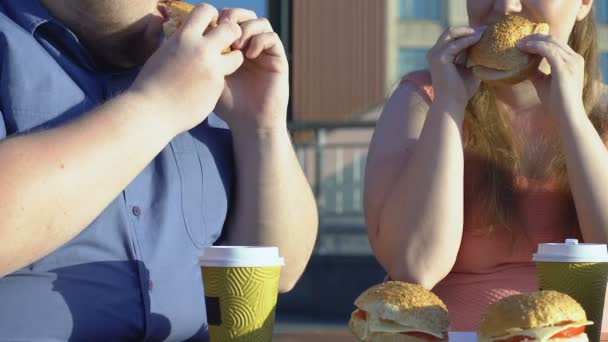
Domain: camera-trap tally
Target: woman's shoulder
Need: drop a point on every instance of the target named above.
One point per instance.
(422, 80)
(418, 76)
(411, 97)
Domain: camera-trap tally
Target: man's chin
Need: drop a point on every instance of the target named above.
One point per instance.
(129, 50)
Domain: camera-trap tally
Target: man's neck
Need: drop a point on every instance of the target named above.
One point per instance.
(110, 49)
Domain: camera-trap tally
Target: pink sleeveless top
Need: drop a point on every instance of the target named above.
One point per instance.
(490, 266)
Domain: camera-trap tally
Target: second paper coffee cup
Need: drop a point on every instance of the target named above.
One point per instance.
(579, 270)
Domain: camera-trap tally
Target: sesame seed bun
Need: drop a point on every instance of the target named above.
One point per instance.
(495, 59)
(528, 311)
(402, 305)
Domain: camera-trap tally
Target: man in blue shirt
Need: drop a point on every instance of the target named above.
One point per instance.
(114, 177)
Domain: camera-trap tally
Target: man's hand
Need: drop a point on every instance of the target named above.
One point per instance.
(256, 95)
(183, 80)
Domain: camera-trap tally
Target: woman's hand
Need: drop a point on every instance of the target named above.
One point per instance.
(561, 91)
(453, 83)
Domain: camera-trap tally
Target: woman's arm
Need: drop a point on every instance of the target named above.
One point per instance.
(414, 188)
(587, 164)
(586, 153)
(414, 179)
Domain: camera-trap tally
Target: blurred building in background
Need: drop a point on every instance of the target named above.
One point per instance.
(348, 54)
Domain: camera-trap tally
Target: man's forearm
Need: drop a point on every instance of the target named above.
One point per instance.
(56, 182)
(274, 204)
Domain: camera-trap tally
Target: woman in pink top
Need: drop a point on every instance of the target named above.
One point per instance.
(464, 180)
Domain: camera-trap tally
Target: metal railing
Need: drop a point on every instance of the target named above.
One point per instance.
(333, 156)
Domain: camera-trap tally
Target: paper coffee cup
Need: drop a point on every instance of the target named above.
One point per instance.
(241, 288)
(579, 270)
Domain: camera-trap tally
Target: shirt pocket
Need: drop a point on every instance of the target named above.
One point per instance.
(203, 195)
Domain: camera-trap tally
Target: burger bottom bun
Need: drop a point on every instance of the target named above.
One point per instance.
(509, 77)
(358, 327)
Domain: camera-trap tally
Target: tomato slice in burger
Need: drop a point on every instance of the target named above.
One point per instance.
(422, 335)
(570, 332)
(360, 314)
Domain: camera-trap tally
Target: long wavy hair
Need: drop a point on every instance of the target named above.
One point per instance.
(490, 139)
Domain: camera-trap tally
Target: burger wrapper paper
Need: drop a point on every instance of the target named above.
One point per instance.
(241, 302)
(585, 282)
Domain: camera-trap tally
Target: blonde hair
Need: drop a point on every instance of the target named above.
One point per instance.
(491, 142)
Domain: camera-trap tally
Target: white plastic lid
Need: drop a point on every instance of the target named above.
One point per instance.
(241, 256)
(571, 251)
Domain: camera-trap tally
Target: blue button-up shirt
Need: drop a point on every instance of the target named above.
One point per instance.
(132, 274)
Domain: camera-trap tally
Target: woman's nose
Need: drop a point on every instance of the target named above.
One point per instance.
(505, 7)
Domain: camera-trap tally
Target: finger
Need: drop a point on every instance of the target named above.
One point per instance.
(237, 15)
(546, 38)
(232, 61)
(200, 18)
(455, 33)
(457, 46)
(567, 50)
(554, 54)
(268, 43)
(224, 34)
(252, 28)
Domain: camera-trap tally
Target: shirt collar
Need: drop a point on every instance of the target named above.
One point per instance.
(29, 14)
(32, 15)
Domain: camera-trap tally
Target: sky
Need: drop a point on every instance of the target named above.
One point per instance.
(259, 6)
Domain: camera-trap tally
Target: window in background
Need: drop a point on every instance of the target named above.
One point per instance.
(417, 9)
(411, 59)
(601, 7)
(604, 61)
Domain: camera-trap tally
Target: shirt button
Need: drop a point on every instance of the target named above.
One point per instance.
(136, 211)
